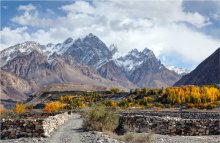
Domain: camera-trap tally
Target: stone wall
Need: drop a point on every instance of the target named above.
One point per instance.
(172, 123)
(24, 127)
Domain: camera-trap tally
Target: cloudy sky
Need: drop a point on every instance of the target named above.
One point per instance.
(181, 33)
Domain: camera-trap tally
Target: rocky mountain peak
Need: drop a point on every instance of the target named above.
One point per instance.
(21, 48)
(135, 58)
(91, 35)
(134, 52)
(50, 45)
(89, 50)
(68, 40)
(148, 52)
(113, 48)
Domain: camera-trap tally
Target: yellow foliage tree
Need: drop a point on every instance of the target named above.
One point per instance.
(20, 108)
(66, 98)
(54, 106)
(191, 94)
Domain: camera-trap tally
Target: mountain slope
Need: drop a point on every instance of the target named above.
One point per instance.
(206, 73)
(115, 73)
(14, 87)
(43, 70)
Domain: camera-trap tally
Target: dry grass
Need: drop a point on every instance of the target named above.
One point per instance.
(99, 118)
(132, 137)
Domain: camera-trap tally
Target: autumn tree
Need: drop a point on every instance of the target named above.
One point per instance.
(54, 106)
(20, 108)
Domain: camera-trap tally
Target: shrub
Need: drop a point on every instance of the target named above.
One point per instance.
(110, 103)
(74, 103)
(149, 99)
(67, 98)
(159, 105)
(149, 105)
(54, 106)
(132, 137)
(143, 102)
(211, 106)
(168, 105)
(20, 108)
(190, 105)
(2, 109)
(137, 91)
(98, 118)
(115, 90)
(124, 103)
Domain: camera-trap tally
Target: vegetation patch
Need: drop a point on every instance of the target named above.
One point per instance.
(99, 118)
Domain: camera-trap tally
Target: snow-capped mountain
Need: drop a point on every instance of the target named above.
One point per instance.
(143, 69)
(29, 46)
(136, 68)
(134, 59)
(89, 50)
(22, 48)
(180, 71)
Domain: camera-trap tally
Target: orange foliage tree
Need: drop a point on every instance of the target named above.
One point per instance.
(2, 109)
(20, 108)
(54, 106)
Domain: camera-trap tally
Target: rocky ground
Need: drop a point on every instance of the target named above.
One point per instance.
(71, 132)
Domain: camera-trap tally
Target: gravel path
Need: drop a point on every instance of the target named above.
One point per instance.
(71, 132)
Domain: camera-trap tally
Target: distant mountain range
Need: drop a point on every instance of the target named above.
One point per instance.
(83, 61)
(206, 73)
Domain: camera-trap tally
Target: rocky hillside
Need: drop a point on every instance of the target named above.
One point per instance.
(206, 73)
(14, 87)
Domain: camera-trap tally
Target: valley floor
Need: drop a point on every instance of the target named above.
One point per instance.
(71, 132)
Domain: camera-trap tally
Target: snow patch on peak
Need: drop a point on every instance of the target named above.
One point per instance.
(179, 71)
(134, 59)
(24, 48)
(59, 48)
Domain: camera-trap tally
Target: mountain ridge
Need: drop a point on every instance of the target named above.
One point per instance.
(85, 60)
(206, 73)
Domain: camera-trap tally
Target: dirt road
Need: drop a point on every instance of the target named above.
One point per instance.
(70, 132)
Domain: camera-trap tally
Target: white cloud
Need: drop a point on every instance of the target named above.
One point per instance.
(28, 7)
(131, 24)
(79, 7)
(10, 36)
